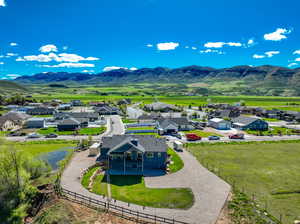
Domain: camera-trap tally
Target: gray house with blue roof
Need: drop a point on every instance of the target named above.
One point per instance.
(134, 154)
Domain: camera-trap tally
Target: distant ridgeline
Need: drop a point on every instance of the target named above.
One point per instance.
(272, 80)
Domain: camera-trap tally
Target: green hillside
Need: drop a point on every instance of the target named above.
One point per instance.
(8, 87)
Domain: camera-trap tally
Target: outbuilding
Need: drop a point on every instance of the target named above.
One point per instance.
(219, 123)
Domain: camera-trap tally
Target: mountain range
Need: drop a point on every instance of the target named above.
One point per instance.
(267, 76)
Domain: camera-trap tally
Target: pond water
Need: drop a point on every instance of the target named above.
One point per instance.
(53, 158)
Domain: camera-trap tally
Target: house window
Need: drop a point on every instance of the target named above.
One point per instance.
(159, 154)
(150, 155)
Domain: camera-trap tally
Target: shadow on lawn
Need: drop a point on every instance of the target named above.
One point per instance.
(123, 180)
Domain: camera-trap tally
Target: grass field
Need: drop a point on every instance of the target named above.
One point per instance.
(177, 161)
(129, 121)
(262, 169)
(132, 189)
(203, 134)
(273, 131)
(82, 131)
(140, 128)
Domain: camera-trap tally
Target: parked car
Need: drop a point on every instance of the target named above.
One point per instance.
(15, 134)
(178, 146)
(177, 135)
(236, 136)
(34, 135)
(51, 135)
(213, 137)
(192, 137)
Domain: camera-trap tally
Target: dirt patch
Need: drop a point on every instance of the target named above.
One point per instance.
(61, 211)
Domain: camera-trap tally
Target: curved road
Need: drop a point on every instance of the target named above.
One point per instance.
(210, 191)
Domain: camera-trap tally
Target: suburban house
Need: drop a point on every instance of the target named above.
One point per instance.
(133, 154)
(41, 111)
(124, 102)
(12, 121)
(68, 124)
(228, 113)
(106, 110)
(173, 125)
(219, 123)
(90, 116)
(35, 122)
(250, 123)
(76, 103)
(159, 106)
(149, 118)
(65, 106)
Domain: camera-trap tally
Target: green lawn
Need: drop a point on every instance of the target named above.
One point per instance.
(132, 189)
(270, 119)
(86, 177)
(100, 185)
(273, 131)
(140, 128)
(128, 121)
(147, 133)
(260, 168)
(82, 131)
(203, 134)
(177, 161)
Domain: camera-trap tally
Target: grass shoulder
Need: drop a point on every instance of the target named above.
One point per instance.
(176, 162)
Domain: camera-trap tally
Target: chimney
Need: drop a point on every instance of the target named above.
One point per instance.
(135, 142)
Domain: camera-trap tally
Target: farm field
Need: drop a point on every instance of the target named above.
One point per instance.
(269, 171)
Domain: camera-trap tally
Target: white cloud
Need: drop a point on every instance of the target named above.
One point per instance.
(297, 59)
(111, 68)
(211, 51)
(2, 3)
(149, 45)
(296, 52)
(65, 48)
(63, 57)
(194, 48)
(1, 63)
(187, 47)
(13, 44)
(167, 46)
(88, 71)
(278, 35)
(271, 53)
(292, 64)
(221, 44)
(48, 48)
(70, 65)
(250, 42)
(11, 55)
(257, 56)
(13, 76)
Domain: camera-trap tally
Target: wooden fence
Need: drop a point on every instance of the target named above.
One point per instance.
(136, 216)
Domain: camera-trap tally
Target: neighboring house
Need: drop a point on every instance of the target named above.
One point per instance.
(12, 121)
(173, 125)
(41, 111)
(219, 123)
(227, 113)
(250, 123)
(90, 116)
(271, 114)
(64, 107)
(133, 154)
(149, 118)
(159, 106)
(69, 124)
(106, 110)
(124, 101)
(35, 122)
(76, 103)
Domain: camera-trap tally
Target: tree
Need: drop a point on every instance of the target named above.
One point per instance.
(17, 169)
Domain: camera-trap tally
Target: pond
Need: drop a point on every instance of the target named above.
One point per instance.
(53, 158)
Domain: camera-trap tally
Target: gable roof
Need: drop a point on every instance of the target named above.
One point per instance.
(83, 115)
(13, 116)
(69, 121)
(176, 120)
(147, 143)
(245, 120)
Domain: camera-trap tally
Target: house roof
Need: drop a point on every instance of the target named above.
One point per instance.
(13, 116)
(217, 120)
(151, 116)
(83, 115)
(146, 143)
(42, 109)
(159, 106)
(243, 120)
(176, 120)
(69, 121)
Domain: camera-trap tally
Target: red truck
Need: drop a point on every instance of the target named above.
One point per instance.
(236, 136)
(192, 137)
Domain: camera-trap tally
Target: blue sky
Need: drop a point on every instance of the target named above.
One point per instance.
(96, 35)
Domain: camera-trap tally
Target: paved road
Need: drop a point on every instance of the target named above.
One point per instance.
(210, 191)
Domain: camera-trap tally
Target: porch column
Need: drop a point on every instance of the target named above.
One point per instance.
(124, 162)
(142, 162)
